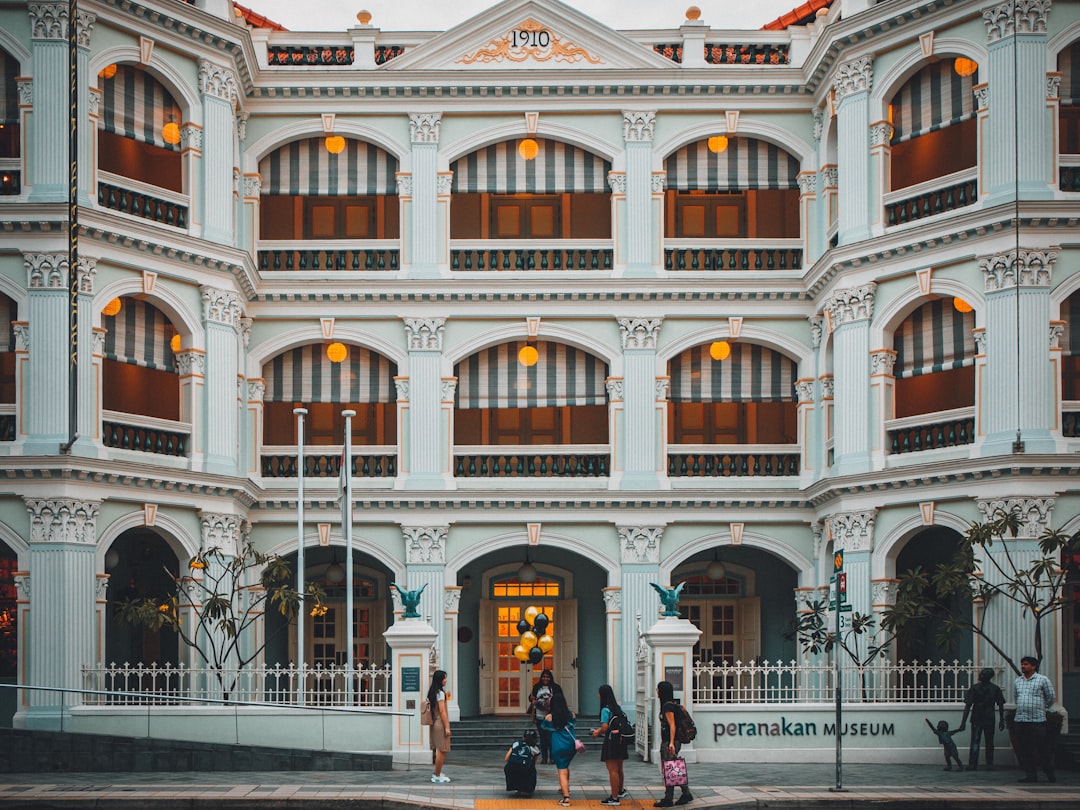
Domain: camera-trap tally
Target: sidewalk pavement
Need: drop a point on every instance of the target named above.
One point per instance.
(477, 784)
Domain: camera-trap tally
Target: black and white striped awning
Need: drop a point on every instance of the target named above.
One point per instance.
(136, 105)
(935, 337)
(306, 374)
(558, 167)
(934, 98)
(746, 163)
(9, 89)
(1068, 64)
(306, 168)
(139, 334)
(1070, 341)
(563, 375)
(9, 313)
(751, 373)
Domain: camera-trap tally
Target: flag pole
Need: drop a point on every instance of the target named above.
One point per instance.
(301, 618)
(346, 530)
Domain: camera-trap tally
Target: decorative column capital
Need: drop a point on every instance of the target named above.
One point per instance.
(252, 186)
(219, 81)
(852, 305)
(241, 125)
(639, 333)
(22, 585)
(444, 183)
(25, 89)
(663, 388)
(424, 334)
(224, 532)
(1057, 329)
(451, 599)
(1034, 513)
(612, 600)
(982, 96)
(979, 336)
(191, 363)
(853, 77)
(448, 388)
(191, 137)
(852, 531)
(1053, 85)
(617, 182)
(881, 133)
(1032, 266)
(85, 272)
(638, 126)
(256, 390)
(402, 386)
(882, 361)
(59, 520)
(614, 387)
(807, 183)
(828, 386)
(883, 592)
(1016, 17)
(804, 390)
(658, 182)
(819, 122)
(404, 184)
(48, 20)
(640, 544)
(817, 329)
(830, 176)
(425, 545)
(46, 271)
(805, 599)
(84, 22)
(424, 127)
(221, 307)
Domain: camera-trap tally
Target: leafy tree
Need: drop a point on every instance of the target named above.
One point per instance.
(224, 606)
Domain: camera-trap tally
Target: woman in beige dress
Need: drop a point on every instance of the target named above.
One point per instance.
(440, 726)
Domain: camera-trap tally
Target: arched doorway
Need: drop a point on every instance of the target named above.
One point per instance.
(140, 565)
(9, 633)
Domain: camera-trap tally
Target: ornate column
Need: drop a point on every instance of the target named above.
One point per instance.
(428, 440)
(221, 98)
(226, 533)
(425, 558)
(222, 311)
(880, 162)
(251, 191)
(45, 390)
(807, 429)
(882, 403)
(63, 535)
(812, 234)
(640, 550)
(87, 416)
(1016, 83)
(850, 312)
(851, 88)
(641, 232)
(256, 392)
(853, 533)
(1020, 390)
(640, 429)
(425, 234)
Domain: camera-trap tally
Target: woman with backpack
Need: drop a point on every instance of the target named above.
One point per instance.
(613, 751)
(670, 745)
(440, 726)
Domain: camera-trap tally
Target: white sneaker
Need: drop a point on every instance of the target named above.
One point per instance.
(440, 779)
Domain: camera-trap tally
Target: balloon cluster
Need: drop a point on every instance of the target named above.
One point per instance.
(536, 642)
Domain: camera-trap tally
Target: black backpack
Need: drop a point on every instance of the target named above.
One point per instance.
(520, 754)
(620, 729)
(685, 730)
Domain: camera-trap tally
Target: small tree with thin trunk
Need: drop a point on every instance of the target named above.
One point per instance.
(224, 596)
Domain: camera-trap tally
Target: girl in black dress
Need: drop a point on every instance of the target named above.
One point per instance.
(613, 751)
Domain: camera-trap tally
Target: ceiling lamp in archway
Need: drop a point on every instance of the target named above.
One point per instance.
(107, 72)
(717, 144)
(111, 308)
(174, 344)
(170, 133)
(337, 352)
(964, 66)
(335, 144)
(961, 305)
(528, 149)
(528, 355)
(719, 350)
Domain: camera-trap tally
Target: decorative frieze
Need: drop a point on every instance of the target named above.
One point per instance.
(48, 20)
(221, 307)
(223, 532)
(218, 81)
(1034, 513)
(640, 544)
(1033, 267)
(85, 271)
(425, 545)
(424, 127)
(191, 363)
(639, 333)
(851, 305)
(612, 600)
(1016, 16)
(882, 361)
(638, 126)
(852, 531)
(59, 520)
(424, 334)
(46, 271)
(853, 77)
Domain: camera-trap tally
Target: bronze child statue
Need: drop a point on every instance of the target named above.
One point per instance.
(945, 737)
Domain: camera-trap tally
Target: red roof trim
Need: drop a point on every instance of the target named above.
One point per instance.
(798, 16)
(256, 20)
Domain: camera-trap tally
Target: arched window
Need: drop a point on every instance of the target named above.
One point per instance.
(134, 141)
(9, 313)
(10, 165)
(1068, 64)
(935, 359)
(139, 372)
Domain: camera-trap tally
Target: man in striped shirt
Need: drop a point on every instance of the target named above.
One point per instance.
(1034, 696)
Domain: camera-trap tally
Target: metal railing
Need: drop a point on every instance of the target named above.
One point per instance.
(539, 461)
(931, 431)
(504, 256)
(937, 196)
(733, 460)
(147, 434)
(682, 255)
(380, 461)
(291, 255)
(142, 200)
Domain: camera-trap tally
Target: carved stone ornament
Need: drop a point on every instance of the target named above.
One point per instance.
(883, 591)
(637, 126)
(663, 388)
(218, 81)
(828, 386)
(612, 600)
(1016, 16)
(804, 390)
(58, 520)
(221, 306)
(882, 361)
(817, 327)
(518, 46)
(425, 545)
(817, 530)
(222, 532)
(85, 271)
(639, 333)
(402, 386)
(191, 137)
(98, 342)
(444, 183)
(46, 271)
(852, 77)
(640, 544)
(241, 125)
(25, 88)
(819, 123)
(617, 182)
(48, 20)
(245, 331)
(852, 305)
(451, 600)
(1057, 329)
(614, 386)
(256, 390)
(449, 387)
(658, 182)
(830, 175)
(191, 363)
(805, 599)
(852, 531)
(404, 185)
(424, 334)
(1032, 266)
(881, 133)
(979, 336)
(807, 183)
(1034, 513)
(1053, 85)
(84, 23)
(101, 587)
(424, 127)
(252, 186)
(22, 586)
(982, 96)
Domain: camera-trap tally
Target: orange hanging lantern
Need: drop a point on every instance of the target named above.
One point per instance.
(720, 350)
(717, 144)
(111, 308)
(335, 144)
(528, 149)
(964, 66)
(337, 352)
(961, 305)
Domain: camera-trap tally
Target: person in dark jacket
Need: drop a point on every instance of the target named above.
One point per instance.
(669, 743)
(979, 702)
(520, 767)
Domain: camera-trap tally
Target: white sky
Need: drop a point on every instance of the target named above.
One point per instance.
(439, 15)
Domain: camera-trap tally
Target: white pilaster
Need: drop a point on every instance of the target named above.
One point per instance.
(428, 437)
(852, 90)
(850, 312)
(221, 93)
(638, 240)
(640, 551)
(639, 440)
(425, 233)
(221, 315)
(46, 389)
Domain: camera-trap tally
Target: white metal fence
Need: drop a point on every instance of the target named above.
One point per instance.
(150, 684)
(795, 682)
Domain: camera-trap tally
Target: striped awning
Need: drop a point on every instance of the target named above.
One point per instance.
(1070, 340)
(307, 168)
(9, 313)
(9, 89)
(136, 105)
(563, 375)
(558, 167)
(746, 163)
(139, 334)
(751, 373)
(935, 337)
(934, 98)
(306, 374)
(1068, 64)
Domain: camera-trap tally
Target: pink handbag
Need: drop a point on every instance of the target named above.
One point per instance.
(579, 746)
(674, 772)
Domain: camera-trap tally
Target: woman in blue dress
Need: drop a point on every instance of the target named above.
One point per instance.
(560, 722)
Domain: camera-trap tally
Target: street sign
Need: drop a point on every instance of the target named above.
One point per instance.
(841, 580)
(838, 560)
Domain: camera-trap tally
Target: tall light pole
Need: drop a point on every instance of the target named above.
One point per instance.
(301, 618)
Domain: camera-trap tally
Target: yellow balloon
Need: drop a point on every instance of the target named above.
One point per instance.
(530, 614)
(528, 639)
(520, 653)
(546, 643)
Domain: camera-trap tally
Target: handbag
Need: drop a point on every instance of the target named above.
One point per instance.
(579, 746)
(674, 772)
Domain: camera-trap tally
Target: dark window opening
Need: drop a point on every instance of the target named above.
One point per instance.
(128, 388)
(934, 154)
(9, 140)
(750, 214)
(1069, 130)
(930, 393)
(140, 161)
(295, 217)
(733, 423)
(574, 424)
(530, 216)
(374, 424)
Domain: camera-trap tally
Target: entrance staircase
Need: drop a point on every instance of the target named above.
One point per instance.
(495, 732)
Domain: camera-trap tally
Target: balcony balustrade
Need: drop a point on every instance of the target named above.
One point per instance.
(532, 461)
(1070, 419)
(937, 196)
(721, 461)
(1069, 173)
(931, 431)
(147, 434)
(7, 422)
(374, 461)
(527, 256)
(142, 200)
(703, 255)
(374, 255)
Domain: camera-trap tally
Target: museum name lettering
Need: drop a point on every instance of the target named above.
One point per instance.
(789, 728)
